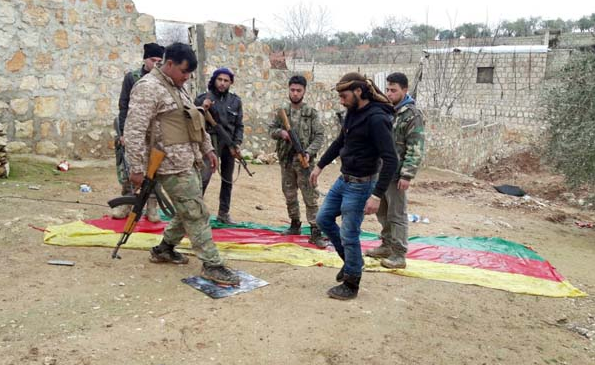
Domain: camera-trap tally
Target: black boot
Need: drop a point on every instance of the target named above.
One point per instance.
(341, 274)
(347, 290)
(316, 237)
(295, 228)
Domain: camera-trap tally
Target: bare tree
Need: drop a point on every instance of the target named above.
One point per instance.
(168, 32)
(308, 27)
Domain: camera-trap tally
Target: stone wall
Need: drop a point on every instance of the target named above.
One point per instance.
(261, 88)
(61, 79)
(512, 99)
(452, 143)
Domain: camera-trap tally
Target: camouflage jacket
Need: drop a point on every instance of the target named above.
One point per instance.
(149, 99)
(307, 126)
(409, 135)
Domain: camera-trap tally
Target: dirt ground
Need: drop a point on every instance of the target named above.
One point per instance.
(130, 311)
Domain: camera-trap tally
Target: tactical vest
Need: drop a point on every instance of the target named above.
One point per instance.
(182, 125)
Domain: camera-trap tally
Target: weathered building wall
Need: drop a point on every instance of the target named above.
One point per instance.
(62, 74)
(512, 99)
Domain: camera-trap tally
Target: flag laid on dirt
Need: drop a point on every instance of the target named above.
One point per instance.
(489, 262)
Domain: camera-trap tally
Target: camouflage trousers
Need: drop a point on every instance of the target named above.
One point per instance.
(127, 188)
(294, 177)
(192, 216)
(392, 215)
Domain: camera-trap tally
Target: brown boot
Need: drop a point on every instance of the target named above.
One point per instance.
(153, 210)
(316, 237)
(220, 275)
(395, 261)
(380, 252)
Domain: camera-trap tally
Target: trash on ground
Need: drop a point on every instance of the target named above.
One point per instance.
(63, 166)
(581, 224)
(61, 262)
(85, 188)
(34, 187)
(510, 190)
(414, 218)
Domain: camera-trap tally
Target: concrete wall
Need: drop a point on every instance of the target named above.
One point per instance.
(61, 78)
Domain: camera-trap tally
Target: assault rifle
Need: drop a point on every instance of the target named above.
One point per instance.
(139, 199)
(226, 139)
(295, 141)
(121, 154)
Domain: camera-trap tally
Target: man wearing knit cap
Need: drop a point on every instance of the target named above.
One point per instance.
(364, 140)
(226, 109)
(153, 54)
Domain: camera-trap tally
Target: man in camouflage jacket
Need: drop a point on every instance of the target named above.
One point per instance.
(304, 121)
(152, 54)
(161, 115)
(408, 133)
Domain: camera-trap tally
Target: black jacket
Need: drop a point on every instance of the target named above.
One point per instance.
(227, 111)
(366, 139)
(129, 80)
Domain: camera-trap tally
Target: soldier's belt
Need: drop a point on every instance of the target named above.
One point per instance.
(359, 179)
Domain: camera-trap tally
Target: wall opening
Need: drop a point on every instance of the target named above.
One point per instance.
(485, 75)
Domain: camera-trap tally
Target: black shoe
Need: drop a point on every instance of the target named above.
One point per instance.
(316, 237)
(166, 253)
(295, 228)
(225, 218)
(347, 290)
(220, 275)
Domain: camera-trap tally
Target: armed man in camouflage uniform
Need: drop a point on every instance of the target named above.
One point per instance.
(153, 54)
(408, 133)
(303, 120)
(162, 115)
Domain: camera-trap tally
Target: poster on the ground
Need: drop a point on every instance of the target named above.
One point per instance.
(247, 283)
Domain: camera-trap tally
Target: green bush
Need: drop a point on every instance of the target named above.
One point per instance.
(570, 106)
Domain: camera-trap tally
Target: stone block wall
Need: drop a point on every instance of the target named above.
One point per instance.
(512, 99)
(262, 89)
(331, 73)
(63, 71)
(452, 143)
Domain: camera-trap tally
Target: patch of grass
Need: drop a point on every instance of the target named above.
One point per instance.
(23, 169)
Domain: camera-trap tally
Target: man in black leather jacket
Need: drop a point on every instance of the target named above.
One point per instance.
(226, 109)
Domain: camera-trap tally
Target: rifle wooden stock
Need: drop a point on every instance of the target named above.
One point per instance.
(140, 198)
(295, 142)
(222, 133)
(155, 159)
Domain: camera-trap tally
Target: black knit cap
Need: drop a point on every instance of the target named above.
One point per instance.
(153, 50)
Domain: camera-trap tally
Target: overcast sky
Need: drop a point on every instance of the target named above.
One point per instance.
(358, 16)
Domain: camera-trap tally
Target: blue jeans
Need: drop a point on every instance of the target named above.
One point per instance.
(348, 200)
